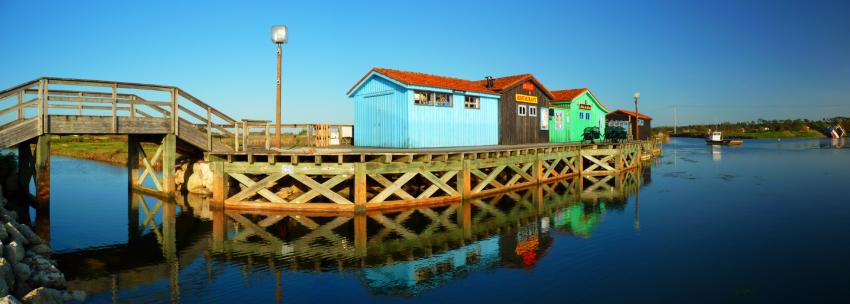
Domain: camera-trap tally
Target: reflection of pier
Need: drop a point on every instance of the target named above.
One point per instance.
(395, 252)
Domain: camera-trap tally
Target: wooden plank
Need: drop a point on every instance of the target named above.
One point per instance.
(323, 189)
(392, 189)
(18, 132)
(259, 187)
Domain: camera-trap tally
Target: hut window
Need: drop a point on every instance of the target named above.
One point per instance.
(442, 99)
(532, 111)
(521, 110)
(422, 98)
(471, 102)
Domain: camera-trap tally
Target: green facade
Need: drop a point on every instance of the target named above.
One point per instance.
(558, 125)
(578, 118)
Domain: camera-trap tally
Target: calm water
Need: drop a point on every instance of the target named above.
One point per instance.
(764, 222)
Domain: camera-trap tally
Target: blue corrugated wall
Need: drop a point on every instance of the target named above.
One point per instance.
(380, 114)
(385, 116)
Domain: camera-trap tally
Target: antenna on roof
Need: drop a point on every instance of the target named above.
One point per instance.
(490, 81)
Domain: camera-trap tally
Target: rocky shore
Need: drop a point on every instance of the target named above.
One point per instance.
(27, 274)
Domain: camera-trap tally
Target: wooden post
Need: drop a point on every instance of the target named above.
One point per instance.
(209, 129)
(235, 136)
(464, 184)
(132, 160)
(219, 228)
(21, 104)
(360, 187)
(169, 158)
(219, 183)
(246, 132)
(175, 117)
(268, 138)
(133, 106)
(114, 111)
(40, 109)
(133, 216)
(42, 169)
(464, 218)
(537, 169)
(25, 166)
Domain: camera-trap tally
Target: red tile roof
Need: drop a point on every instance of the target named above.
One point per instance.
(502, 83)
(630, 113)
(566, 95)
(427, 80)
(570, 94)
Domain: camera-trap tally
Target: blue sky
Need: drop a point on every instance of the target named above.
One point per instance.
(714, 60)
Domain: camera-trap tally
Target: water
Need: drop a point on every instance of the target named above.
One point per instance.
(763, 222)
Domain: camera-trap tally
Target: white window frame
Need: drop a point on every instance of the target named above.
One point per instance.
(532, 113)
(448, 103)
(429, 97)
(521, 110)
(472, 102)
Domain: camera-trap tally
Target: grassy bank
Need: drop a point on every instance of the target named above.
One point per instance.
(108, 149)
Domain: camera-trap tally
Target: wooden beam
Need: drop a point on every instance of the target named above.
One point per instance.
(169, 158)
(42, 169)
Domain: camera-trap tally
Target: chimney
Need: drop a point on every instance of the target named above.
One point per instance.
(490, 81)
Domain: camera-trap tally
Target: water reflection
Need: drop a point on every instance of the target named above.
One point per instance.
(397, 253)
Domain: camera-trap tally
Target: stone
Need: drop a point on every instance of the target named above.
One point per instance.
(41, 249)
(289, 193)
(9, 300)
(6, 273)
(74, 295)
(4, 289)
(29, 234)
(13, 252)
(15, 234)
(201, 179)
(44, 295)
(22, 272)
(3, 233)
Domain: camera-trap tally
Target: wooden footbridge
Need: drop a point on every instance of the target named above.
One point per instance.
(298, 179)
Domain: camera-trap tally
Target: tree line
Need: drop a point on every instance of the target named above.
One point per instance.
(762, 125)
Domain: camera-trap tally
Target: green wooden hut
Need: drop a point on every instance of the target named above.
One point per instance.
(572, 111)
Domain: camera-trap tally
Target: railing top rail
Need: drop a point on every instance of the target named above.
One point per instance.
(5, 93)
(204, 105)
(103, 83)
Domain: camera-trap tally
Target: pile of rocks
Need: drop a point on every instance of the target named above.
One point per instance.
(26, 270)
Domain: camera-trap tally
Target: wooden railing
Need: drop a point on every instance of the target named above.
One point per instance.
(34, 101)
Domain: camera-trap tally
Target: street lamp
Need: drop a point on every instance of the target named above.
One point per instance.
(279, 36)
(637, 117)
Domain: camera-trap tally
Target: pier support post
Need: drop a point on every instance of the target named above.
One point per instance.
(360, 187)
(169, 159)
(132, 160)
(42, 169)
(537, 171)
(464, 185)
(360, 235)
(464, 218)
(219, 229)
(219, 183)
(133, 216)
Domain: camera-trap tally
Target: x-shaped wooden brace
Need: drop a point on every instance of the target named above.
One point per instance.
(487, 179)
(598, 183)
(150, 216)
(598, 162)
(149, 166)
(521, 172)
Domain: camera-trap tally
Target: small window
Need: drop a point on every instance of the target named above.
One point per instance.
(521, 110)
(580, 115)
(532, 111)
(471, 102)
(422, 98)
(640, 122)
(442, 99)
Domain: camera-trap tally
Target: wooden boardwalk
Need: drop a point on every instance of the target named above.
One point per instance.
(248, 177)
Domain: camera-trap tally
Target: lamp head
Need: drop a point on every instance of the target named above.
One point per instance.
(637, 95)
(279, 34)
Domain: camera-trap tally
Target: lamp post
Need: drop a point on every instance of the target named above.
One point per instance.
(279, 37)
(637, 117)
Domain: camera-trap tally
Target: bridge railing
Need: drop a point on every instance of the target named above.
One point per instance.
(37, 99)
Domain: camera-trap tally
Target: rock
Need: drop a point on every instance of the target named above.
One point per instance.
(15, 234)
(22, 272)
(4, 289)
(9, 300)
(13, 215)
(44, 295)
(41, 249)
(29, 234)
(180, 174)
(3, 233)
(74, 295)
(13, 252)
(289, 193)
(6, 273)
(201, 179)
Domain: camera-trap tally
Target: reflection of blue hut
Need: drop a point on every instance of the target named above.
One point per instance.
(413, 277)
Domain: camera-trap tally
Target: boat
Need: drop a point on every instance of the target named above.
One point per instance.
(833, 132)
(716, 138)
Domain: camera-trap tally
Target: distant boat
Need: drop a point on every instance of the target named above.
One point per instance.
(716, 138)
(833, 132)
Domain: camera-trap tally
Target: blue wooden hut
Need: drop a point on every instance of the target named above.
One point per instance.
(399, 109)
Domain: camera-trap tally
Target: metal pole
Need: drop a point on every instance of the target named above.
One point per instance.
(637, 121)
(277, 112)
(675, 122)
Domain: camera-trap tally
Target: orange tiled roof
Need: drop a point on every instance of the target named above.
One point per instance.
(630, 113)
(427, 80)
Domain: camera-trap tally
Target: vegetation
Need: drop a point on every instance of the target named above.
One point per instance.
(109, 149)
(761, 128)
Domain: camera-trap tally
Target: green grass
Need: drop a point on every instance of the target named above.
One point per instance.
(110, 149)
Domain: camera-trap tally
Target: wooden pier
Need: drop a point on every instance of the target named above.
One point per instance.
(248, 177)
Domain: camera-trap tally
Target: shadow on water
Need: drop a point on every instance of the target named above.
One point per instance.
(175, 245)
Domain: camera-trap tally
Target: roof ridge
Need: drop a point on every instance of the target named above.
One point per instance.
(420, 73)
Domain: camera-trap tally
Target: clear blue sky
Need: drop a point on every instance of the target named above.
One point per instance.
(716, 60)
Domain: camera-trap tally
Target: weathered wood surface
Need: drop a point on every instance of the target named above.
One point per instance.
(74, 124)
(18, 132)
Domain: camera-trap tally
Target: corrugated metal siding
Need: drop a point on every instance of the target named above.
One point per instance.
(431, 126)
(561, 134)
(380, 114)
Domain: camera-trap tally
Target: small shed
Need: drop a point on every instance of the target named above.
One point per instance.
(573, 111)
(400, 109)
(630, 120)
(523, 108)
